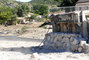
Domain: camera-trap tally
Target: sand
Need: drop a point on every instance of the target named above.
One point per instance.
(22, 49)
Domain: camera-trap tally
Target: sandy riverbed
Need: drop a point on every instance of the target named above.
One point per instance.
(15, 49)
(33, 30)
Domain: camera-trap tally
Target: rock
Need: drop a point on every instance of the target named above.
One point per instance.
(59, 38)
(19, 31)
(75, 42)
(63, 40)
(6, 32)
(34, 55)
(71, 39)
(48, 38)
(82, 43)
(87, 48)
(74, 48)
(80, 49)
(55, 39)
(68, 42)
(59, 44)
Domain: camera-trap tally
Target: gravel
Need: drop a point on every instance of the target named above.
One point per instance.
(12, 48)
(27, 50)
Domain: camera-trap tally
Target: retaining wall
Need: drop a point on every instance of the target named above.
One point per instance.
(65, 41)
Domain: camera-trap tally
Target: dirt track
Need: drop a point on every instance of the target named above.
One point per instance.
(15, 48)
(33, 30)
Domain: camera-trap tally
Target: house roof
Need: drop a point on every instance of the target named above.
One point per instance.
(82, 1)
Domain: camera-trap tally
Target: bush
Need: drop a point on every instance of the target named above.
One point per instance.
(19, 21)
(7, 16)
(22, 10)
(40, 9)
(24, 28)
(43, 19)
(33, 17)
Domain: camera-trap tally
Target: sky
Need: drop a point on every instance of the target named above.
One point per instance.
(24, 0)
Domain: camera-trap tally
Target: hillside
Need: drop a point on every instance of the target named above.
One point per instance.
(10, 3)
(47, 2)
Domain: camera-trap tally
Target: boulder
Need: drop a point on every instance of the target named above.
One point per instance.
(80, 49)
(75, 42)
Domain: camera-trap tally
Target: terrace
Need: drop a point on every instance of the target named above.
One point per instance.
(68, 9)
(74, 19)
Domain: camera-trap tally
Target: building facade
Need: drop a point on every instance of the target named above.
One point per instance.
(82, 3)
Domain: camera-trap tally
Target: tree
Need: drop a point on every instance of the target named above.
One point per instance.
(45, 2)
(7, 15)
(67, 2)
(22, 10)
(58, 0)
(40, 9)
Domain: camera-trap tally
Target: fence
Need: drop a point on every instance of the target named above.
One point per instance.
(68, 9)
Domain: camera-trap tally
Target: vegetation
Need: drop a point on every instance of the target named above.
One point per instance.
(7, 15)
(67, 2)
(45, 2)
(24, 28)
(12, 3)
(54, 2)
(22, 10)
(9, 3)
(40, 9)
(18, 21)
(33, 17)
(10, 9)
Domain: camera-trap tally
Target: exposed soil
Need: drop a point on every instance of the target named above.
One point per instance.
(33, 30)
(12, 48)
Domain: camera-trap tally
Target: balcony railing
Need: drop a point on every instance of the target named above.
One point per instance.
(68, 9)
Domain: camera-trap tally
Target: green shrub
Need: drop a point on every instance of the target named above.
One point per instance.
(22, 10)
(40, 9)
(7, 15)
(19, 21)
(24, 28)
(33, 17)
(44, 27)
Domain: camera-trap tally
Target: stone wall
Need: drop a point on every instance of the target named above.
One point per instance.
(66, 23)
(65, 41)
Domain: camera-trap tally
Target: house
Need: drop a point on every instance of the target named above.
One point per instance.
(82, 3)
(74, 21)
(65, 23)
